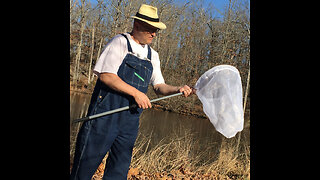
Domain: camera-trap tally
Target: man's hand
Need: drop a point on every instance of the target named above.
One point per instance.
(165, 89)
(186, 90)
(142, 100)
(117, 84)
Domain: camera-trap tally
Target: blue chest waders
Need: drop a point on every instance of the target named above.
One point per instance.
(117, 132)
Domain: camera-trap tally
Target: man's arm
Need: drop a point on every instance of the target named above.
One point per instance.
(117, 84)
(165, 89)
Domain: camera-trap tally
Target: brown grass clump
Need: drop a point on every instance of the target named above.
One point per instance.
(180, 158)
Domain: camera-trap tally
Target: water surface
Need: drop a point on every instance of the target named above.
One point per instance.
(156, 124)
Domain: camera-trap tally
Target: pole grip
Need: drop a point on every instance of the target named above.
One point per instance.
(81, 119)
(133, 106)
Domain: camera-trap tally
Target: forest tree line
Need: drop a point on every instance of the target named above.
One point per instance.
(195, 39)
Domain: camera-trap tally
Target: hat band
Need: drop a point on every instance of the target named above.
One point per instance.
(147, 18)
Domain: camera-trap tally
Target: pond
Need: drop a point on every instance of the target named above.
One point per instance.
(157, 125)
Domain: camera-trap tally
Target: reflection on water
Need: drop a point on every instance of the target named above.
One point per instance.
(166, 124)
(156, 124)
(79, 104)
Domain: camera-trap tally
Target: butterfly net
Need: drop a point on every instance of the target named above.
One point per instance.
(220, 91)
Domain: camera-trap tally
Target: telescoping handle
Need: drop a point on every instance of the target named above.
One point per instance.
(121, 109)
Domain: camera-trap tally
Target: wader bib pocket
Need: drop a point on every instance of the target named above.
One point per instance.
(136, 73)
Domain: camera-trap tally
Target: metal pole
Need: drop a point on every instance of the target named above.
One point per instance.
(120, 109)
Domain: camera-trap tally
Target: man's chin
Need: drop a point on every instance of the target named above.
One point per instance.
(149, 42)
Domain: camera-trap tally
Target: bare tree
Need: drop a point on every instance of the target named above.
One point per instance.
(194, 41)
(83, 17)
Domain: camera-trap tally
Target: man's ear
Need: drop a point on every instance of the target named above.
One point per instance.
(136, 25)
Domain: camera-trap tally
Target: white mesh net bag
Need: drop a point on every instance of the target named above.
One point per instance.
(220, 91)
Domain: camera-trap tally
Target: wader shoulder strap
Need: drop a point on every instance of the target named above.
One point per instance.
(149, 52)
(128, 43)
(130, 49)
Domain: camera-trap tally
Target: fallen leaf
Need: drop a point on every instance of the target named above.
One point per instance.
(133, 172)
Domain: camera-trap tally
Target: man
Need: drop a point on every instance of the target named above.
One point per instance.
(125, 68)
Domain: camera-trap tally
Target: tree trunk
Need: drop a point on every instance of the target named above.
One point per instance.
(91, 56)
(76, 70)
(98, 55)
(78, 56)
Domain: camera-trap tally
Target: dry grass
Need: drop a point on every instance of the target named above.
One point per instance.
(181, 158)
(168, 155)
(230, 162)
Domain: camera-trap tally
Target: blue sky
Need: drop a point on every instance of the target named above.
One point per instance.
(219, 5)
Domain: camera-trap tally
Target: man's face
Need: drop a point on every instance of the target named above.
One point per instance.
(146, 32)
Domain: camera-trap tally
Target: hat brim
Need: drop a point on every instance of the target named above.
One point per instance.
(159, 25)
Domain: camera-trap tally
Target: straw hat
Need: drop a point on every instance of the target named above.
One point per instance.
(149, 15)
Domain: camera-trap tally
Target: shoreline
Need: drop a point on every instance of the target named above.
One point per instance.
(196, 111)
(156, 106)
